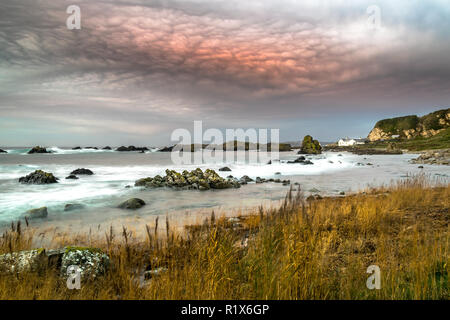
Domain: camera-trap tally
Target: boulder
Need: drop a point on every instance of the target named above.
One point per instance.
(38, 149)
(107, 148)
(37, 213)
(225, 169)
(132, 204)
(310, 146)
(76, 148)
(92, 262)
(3, 151)
(72, 176)
(38, 177)
(73, 206)
(82, 171)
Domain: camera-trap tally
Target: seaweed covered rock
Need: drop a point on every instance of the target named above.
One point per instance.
(310, 146)
(195, 179)
(82, 171)
(38, 177)
(38, 149)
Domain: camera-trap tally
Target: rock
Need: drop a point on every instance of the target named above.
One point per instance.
(92, 262)
(439, 157)
(76, 148)
(82, 171)
(225, 169)
(3, 151)
(38, 213)
(38, 149)
(73, 206)
(342, 193)
(93, 148)
(132, 204)
(131, 148)
(277, 173)
(314, 197)
(246, 179)
(310, 146)
(38, 177)
(420, 167)
(196, 179)
(166, 149)
(107, 148)
(270, 162)
(72, 176)
(23, 261)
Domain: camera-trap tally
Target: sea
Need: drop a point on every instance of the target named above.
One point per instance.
(115, 173)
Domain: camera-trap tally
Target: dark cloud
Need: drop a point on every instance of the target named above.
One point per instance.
(139, 69)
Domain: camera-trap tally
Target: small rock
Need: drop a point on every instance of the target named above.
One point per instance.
(73, 206)
(72, 176)
(38, 149)
(82, 171)
(225, 169)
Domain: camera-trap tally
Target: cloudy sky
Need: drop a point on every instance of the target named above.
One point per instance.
(139, 69)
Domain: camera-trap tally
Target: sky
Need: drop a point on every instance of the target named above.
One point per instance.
(137, 70)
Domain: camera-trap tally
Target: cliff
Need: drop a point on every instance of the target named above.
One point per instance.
(411, 126)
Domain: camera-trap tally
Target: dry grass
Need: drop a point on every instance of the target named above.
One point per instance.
(302, 250)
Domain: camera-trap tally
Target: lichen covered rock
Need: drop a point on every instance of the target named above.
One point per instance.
(37, 213)
(93, 262)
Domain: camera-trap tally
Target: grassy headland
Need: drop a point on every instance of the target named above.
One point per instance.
(316, 249)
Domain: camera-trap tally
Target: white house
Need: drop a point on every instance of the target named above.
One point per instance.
(350, 142)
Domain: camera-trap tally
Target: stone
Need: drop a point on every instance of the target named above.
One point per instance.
(73, 206)
(225, 169)
(37, 213)
(72, 176)
(82, 171)
(38, 177)
(38, 149)
(132, 204)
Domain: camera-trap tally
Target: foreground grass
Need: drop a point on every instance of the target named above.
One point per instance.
(302, 250)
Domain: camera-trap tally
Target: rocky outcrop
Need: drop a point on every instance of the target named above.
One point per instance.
(38, 149)
(38, 213)
(82, 171)
(132, 204)
(3, 151)
(441, 157)
(38, 177)
(131, 148)
(310, 146)
(92, 262)
(195, 179)
(409, 127)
